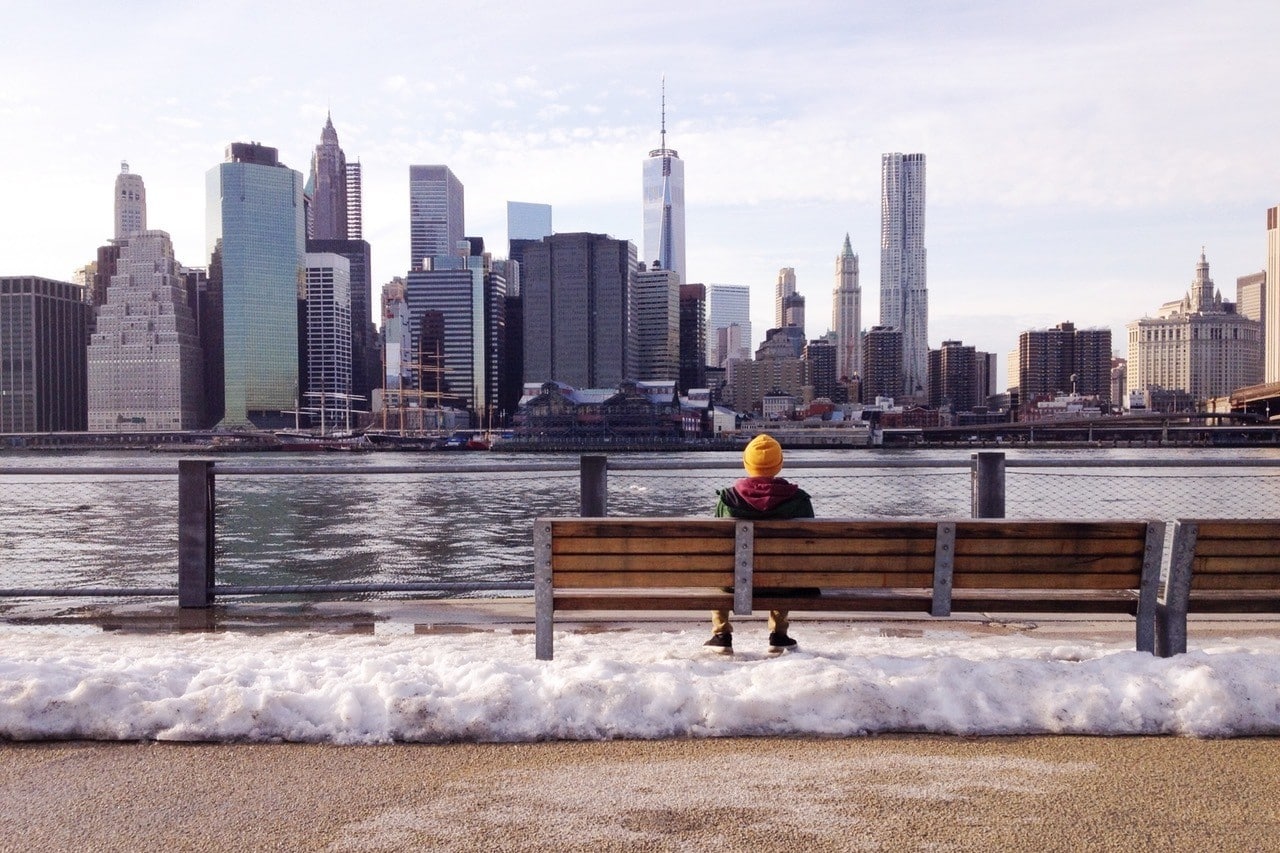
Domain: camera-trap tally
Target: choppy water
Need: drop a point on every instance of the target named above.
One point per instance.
(77, 529)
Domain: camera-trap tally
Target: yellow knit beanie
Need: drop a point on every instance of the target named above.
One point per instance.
(763, 457)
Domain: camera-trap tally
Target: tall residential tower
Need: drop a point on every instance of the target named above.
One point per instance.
(904, 291)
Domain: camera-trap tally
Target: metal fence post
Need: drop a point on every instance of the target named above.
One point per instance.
(594, 486)
(988, 484)
(195, 533)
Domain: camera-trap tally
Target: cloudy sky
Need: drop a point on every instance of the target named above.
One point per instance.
(1080, 154)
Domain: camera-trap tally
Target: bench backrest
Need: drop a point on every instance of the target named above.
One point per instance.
(1225, 555)
(1077, 555)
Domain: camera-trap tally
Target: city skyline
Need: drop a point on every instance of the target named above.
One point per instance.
(1079, 156)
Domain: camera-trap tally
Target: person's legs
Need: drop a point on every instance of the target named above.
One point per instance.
(778, 622)
(720, 622)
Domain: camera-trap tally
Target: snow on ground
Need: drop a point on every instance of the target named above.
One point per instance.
(639, 683)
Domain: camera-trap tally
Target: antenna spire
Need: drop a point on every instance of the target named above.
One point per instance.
(664, 111)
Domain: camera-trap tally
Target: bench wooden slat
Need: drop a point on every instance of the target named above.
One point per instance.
(1046, 584)
(830, 528)
(641, 545)
(1210, 565)
(643, 599)
(1233, 580)
(1050, 564)
(851, 547)
(683, 579)
(828, 562)
(766, 579)
(650, 527)
(641, 562)
(1261, 549)
(1017, 530)
(1238, 529)
(1048, 546)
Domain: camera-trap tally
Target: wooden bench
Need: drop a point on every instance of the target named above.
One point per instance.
(1217, 566)
(932, 566)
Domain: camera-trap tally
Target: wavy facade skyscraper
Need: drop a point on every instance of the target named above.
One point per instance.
(904, 287)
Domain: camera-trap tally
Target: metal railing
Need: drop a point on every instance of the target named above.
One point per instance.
(215, 534)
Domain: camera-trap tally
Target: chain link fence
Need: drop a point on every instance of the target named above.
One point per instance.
(69, 530)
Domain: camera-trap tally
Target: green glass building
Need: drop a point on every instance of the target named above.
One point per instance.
(256, 230)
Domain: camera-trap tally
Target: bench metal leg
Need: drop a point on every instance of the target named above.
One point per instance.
(1171, 609)
(543, 595)
(1149, 588)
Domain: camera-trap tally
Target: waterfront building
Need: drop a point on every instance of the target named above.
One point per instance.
(256, 242)
(783, 291)
(846, 313)
(821, 358)
(1251, 296)
(1197, 344)
(656, 317)
(960, 377)
(397, 339)
(904, 291)
(467, 298)
(577, 290)
(131, 203)
(328, 384)
(44, 337)
(364, 336)
(693, 337)
(1271, 300)
(528, 220)
(728, 305)
(145, 367)
(663, 205)
(748, 381)
(881, 363)
(327, 188)
(436, 216)
(1063, 360)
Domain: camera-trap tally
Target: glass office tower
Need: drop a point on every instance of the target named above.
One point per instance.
(255, 229)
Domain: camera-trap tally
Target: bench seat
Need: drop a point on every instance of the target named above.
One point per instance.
(846, 565)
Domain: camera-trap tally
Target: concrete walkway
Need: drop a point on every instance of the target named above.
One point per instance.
(878, 793)
(789, 794)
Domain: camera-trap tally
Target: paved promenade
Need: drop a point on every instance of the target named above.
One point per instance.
(876, 793)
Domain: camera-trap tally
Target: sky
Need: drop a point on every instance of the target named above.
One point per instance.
(1080, 154)
(649, 682)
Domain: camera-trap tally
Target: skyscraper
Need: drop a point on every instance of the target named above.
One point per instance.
(355, 201)
(436, 214)
(131, 203)
(44, 334)
(1271, 300)
(144, 360)
(328, 187)
(328, 361)
(693, 337)
(528, 220)
(785, 289)
(904, 291)
(846, 313)
(728, 305)
(256, 242)
(881, 363)
(656, 318)
(577, 291)
(663, 176)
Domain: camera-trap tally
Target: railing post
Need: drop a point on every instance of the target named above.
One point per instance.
(195, 533)
(988, 484)
(594, 486)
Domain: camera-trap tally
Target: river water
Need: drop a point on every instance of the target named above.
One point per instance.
(469, 516)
